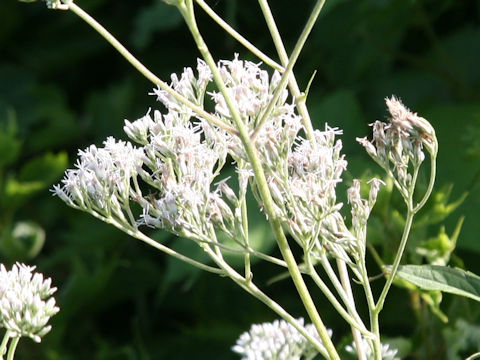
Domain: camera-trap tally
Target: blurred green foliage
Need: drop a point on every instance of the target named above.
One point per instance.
(62, 87)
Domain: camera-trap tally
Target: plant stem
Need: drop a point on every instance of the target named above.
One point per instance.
(357, 338)
(248, 272)
(288, 74)
(144, 70)
(141, 236)
(13, 347)
(373, 315)
(375, 311)
(188, 14)
(233, 33)
(3, 345)
(353, 319)
(294, 89)
(252, 289)
(433, 170)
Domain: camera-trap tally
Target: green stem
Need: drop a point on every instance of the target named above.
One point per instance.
(396, 262)
(248, 271)
(373, 315)
(353, 319)
(411, 211)
(13, 347)
(188, 13)
(3, 345)
(294, 89)
(376, 257)
(338, 287)
(375, 309)
(144, 70)
(344, 279)
(141, 236)
(247, 44)
(252, 289)
(433, 170)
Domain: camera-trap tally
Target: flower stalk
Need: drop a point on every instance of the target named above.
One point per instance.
(187, 11)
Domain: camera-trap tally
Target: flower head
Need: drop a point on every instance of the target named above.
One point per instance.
(191, 87)
(387, 353)
(397, 146)
(26, 304)
(101, 180)
(278, 340)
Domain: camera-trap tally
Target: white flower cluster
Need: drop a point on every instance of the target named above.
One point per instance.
(26, 304)
(277, 340)
(303, 188)
(361, 208)
(102, 178)
(386, 352)
(180, 156)
(398, 146)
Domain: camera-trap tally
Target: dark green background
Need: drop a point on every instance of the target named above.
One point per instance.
(68, 88)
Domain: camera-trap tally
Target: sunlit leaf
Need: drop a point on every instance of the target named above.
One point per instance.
(442, 278)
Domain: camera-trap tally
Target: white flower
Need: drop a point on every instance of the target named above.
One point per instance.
(278, 340)
(386, 352)
(188, 86)
(26, 304)
(139, 130)
(251, 89)
(398, 146)
(101, 180)
(304, 190)
(361, 208)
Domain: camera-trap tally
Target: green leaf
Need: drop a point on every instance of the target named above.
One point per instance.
(439, 206)
(438, 250)
(47, 168)
(16, 192)
(37, 175)
(442, 278)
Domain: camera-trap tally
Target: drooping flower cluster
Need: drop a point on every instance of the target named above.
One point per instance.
(398, 146)
(180, 157)
(277, 340)
(26, 304)
(181, 165)
(101, 182)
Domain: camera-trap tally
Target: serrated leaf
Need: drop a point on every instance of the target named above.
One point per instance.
(442, 278)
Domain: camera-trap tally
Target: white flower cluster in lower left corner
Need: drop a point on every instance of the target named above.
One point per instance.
(26, 304)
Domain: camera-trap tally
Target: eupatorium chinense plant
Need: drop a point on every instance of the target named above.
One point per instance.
(170, 176)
